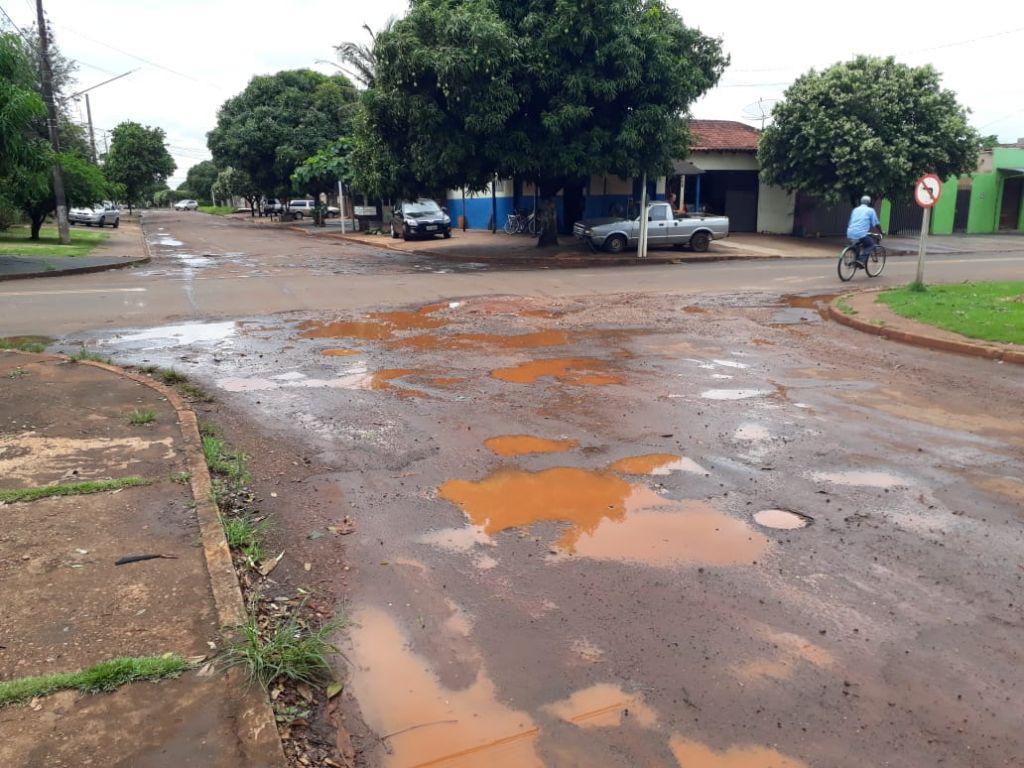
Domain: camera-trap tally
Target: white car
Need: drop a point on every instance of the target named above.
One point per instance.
(100, 214)
(186, 205)
(301, 208)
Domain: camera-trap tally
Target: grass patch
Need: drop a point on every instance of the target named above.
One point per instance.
(15, 242)
(225, 462)
(181, 477)
(246, 534)
(71, 489)
(84, 354)
(283, 649)
(195, 393)
(26, 343)
(217, 210)
(987, 311)
(148, 369)
(105, 676)
(843, 306)
(140, 416)
(169, 376)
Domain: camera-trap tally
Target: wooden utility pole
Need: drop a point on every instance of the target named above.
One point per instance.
(52, 123)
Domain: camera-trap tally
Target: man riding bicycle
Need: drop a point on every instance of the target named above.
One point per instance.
(863, 221)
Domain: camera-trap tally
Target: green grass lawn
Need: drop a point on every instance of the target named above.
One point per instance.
(15, 242)
(989, 311)
(217, 210)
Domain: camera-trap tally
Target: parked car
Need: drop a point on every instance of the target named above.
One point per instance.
(695, 230)
(186, 205)
(100, 214)
(273, 205)
(420, 218)
(302, 208)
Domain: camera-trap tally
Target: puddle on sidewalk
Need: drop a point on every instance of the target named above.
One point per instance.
(781, 519)
(607, 517)
(694, 754)
(817, 302)
(423, 722)
(582, 371)
(521, 445)
(428, 342)
(861, 477)
(656, 464)
(185, 333)
(604, 706)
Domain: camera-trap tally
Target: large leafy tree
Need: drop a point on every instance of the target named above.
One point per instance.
(138, 160)
(551, 91)
(20, 108)
(32, 188)
(867, 126)
(234, 182)
(199, 180)
(278, 121)
(323, 171)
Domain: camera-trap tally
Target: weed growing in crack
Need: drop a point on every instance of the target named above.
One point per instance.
(283, 649)
(246, 534)
(83, 354)
(231, 465)
(73, 489)
(141, 416)
(169, 376)
(105, 676)
(181, 477)
(195, 393)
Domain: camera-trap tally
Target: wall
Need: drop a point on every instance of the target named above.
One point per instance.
(725, 161)
(775, 210)
(945, 210)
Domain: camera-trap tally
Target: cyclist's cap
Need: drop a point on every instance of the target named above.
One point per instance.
(866, 200)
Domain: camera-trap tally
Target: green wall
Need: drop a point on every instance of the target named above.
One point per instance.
(985, 190)
(945, 209)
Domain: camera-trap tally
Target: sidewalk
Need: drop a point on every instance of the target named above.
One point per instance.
(66, 605)
(862, 312)
(124, 248)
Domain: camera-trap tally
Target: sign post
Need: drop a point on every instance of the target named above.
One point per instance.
(641, 246)
(926, 195)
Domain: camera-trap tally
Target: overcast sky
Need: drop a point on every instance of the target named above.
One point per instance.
(191, 55)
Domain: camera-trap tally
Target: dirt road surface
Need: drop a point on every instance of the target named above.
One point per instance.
(628, 527)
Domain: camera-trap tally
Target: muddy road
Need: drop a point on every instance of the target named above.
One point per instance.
(637, 529)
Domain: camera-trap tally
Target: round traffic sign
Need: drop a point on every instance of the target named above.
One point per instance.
(927, 190)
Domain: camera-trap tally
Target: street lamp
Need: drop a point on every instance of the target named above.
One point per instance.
(88, 109)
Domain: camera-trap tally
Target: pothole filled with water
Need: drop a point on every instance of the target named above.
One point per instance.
(782, 519)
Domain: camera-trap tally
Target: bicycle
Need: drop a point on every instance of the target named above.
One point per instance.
(874, 265)
(519, 222)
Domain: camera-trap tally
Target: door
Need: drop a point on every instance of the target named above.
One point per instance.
(659, 225)
(1009, 211)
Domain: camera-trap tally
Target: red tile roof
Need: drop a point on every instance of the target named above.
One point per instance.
(723, 136)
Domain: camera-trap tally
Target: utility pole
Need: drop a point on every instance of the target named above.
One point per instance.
(58, 177)
(88, 108)
(92, 137)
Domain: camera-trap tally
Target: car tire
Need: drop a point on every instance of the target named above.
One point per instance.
(298, 215)
(447, 234)
(615, 244)
(405, 235)
(116, 224)
(700, 241)
(71, 223)
(394, 235)
(103, 222)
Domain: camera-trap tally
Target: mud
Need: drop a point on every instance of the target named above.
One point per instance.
(521, 445)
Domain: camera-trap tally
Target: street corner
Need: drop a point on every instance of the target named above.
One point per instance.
(104, 581)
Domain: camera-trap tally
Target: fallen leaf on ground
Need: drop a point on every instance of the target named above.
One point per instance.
(334, 689)
(270, 565)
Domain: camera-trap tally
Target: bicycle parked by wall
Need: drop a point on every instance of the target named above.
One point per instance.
(873, 265)
(519, 222)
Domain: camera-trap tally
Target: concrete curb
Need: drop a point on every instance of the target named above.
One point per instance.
(255, 722)
(957, 346)
(577, 262)
(128, 261)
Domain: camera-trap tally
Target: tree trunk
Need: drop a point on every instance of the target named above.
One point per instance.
(548, 234)
(36, 224)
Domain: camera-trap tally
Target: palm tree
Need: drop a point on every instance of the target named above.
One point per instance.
(361, 59)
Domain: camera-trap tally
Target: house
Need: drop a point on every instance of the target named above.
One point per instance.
(988, 201)
(720, 175)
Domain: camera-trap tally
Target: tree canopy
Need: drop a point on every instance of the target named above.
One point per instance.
(547, 91)
(138, 160)
(234, 182)
(868, 126)
(278, 121)
(323, 171)
(200, 179)
(21, 107)
(31, 189)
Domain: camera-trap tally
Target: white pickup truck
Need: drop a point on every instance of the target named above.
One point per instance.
(695, 230)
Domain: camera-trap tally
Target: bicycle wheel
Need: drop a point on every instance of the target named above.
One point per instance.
(532, 225)
(876, 262)
(847, 263)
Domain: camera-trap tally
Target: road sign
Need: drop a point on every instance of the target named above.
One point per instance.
(927, 190)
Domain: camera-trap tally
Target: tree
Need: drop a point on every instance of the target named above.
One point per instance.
(278, 121)
(21, 107)
(868, 126)
(551, 92)
(32, 188)
(199, 180)
(323, 171)
(360, 58)
(138, 159)
(234, 182)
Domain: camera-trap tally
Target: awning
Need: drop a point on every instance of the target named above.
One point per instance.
(685, 168)
(1011, 170)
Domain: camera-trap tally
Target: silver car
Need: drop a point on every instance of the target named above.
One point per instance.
(615, 235)
(100, 214)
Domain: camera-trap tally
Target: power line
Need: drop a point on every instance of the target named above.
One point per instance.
(968, 42)
(16, 27)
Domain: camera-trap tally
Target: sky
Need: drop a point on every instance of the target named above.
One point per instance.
(189, 56)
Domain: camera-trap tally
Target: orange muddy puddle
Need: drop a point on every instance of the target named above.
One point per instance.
(429, 342)
(383, 380)
(520, 445)
(584, 371)
(366, 330)
(339, 352)
(694, 754)
(656, 464)
(603, 706)
(410, 321)
(608, 518)
(789, 652)
(425, 723)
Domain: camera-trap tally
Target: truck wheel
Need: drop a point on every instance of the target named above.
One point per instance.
(394, 235)
(615, 244)
(117, 223)
(700, 241)
(298, 215)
